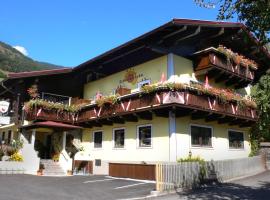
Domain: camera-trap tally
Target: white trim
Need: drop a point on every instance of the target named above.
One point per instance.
(93, 138)
(137, 139)
(113, 144)
(232, 148)
(139, 84)
(202, 147)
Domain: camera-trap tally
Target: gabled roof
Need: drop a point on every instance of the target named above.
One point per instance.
(51, 124)
(143, 47)
(39, 73)
(157, 42)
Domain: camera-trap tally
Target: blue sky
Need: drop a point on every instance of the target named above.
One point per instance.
(69, 32)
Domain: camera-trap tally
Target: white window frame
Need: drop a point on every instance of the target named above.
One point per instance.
(141, 83)
(93, 136)
(232, 148)
(113, 134)
(212, 137)
(138, 139)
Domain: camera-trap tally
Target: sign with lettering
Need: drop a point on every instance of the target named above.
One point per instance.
(4, 106)
(131, 77)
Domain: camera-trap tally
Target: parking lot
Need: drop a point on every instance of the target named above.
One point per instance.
(27, 187)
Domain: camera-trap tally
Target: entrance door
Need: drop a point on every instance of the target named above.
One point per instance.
(48, 147)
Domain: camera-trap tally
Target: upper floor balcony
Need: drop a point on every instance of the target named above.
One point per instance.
(224, 65)
(196, 100)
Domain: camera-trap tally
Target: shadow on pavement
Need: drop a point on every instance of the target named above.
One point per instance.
(229, 191)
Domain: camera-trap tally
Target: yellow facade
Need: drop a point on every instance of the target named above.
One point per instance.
(220, 144)
(152, 70)
(131, 152)
(160, 151)
(183, 67)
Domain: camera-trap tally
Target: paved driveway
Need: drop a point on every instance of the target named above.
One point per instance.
(252, 188)
(27, 187)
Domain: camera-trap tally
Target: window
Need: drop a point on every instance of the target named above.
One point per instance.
(144, 82)
(201, 136)
(236, 139)
(144, 134)
(97, 139)
(119, 138)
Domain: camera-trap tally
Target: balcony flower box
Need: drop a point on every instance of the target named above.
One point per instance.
(219, 59)
(123, 91)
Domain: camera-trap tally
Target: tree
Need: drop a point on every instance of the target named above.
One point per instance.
(261, 92)
(255, 14)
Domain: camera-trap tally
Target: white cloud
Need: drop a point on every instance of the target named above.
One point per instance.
(21, 49)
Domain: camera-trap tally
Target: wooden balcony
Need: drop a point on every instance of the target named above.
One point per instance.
(142, 106)
(217, 65)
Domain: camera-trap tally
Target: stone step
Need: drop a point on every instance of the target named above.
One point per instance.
(52, 168)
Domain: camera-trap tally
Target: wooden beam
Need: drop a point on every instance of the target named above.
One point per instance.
(95, 123)
(212, 117)
(161, 112)
(182, 112)
(118, 120)
(86, 125)
(130, 118)
(231, 81)
(222, 76)
(106, 122)
(225, 120)
(146, 115)
(199, 115)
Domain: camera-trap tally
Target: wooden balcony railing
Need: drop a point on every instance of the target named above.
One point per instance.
(212, 60)
(135, 103)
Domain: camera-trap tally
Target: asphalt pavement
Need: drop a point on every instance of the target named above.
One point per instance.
(252, 188)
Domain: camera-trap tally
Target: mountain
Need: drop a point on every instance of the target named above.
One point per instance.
(11, 60)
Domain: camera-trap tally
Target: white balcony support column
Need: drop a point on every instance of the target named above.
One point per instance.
(172, 137)
(64, 139)
(33, 137)
(170, 65)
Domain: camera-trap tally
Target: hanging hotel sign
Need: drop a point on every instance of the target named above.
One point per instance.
(131, 77)
(4, 106)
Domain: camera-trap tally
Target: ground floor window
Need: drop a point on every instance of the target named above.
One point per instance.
(97, 137)
(119, 138)
(201, 136)
(144, 135)
(236, 139)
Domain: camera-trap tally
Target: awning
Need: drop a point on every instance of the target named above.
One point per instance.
(51, 124)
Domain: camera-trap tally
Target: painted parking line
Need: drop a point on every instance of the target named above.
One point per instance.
(131, 179)
(127, 186)
(99, 180)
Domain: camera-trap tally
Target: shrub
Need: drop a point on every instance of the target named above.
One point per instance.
(16, 157)
(202, 164)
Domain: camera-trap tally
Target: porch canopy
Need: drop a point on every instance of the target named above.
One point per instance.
(51, 124)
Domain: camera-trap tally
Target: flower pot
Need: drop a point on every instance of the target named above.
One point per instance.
(40, 172)
(122, 91)
(69, 172)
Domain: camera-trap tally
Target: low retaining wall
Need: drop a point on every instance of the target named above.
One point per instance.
(12, 167)
(170, 176)
(230, 169)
